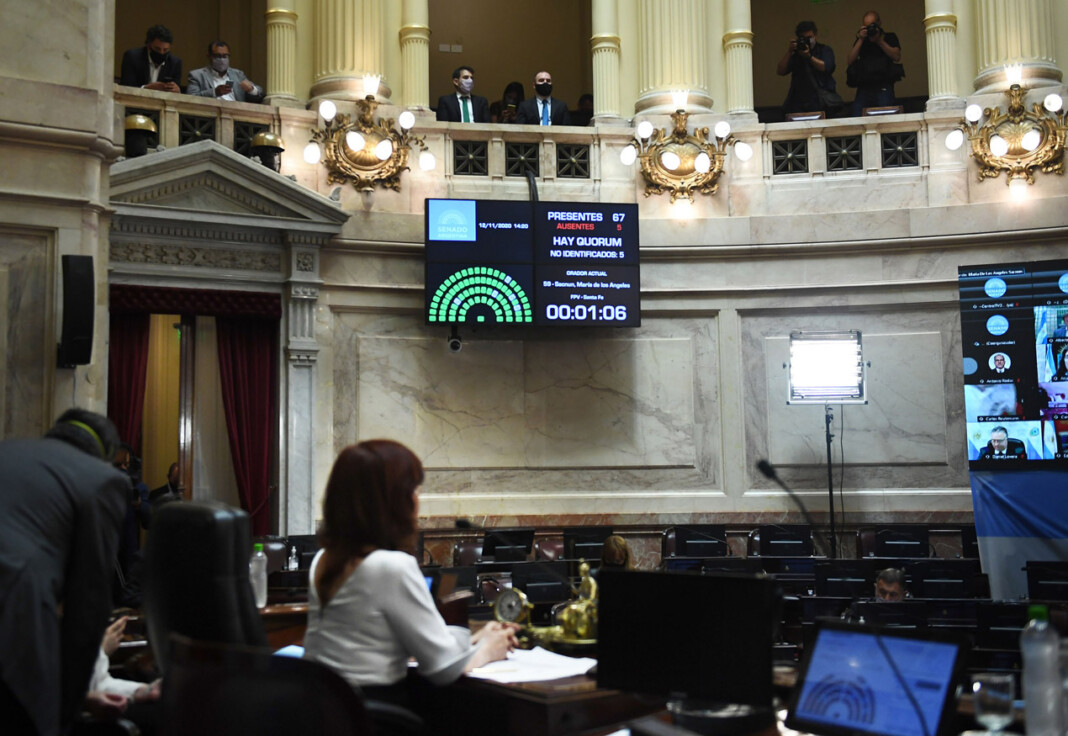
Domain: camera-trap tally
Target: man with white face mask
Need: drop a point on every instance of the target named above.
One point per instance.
(220, 80)
(461, 106)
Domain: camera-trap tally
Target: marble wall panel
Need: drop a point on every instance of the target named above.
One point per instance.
(904, 421)
(26, 323)
(540, 404)
(910, 437)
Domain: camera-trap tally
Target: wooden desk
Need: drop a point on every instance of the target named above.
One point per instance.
(570, 705)
(285, 623)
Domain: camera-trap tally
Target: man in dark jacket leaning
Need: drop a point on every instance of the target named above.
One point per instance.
(61, 509)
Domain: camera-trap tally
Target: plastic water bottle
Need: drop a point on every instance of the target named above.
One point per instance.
(1040, 647)
(257, 574)
(294, 559)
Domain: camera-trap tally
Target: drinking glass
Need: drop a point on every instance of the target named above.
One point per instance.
(992, 697)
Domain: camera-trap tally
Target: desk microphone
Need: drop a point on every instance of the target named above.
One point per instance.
(768, 471)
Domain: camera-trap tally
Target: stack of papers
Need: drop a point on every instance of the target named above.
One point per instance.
(534, 665)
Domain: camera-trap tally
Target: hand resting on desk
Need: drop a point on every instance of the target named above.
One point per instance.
(495, 640)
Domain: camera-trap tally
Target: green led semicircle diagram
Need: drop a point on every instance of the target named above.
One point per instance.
(483, 289)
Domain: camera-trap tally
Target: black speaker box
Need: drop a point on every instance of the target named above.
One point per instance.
(76, 343)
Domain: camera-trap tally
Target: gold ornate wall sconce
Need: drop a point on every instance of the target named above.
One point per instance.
(364, 150)
(1018, 141)
(681, 162)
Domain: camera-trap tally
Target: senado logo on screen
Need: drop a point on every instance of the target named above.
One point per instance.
(452, 220)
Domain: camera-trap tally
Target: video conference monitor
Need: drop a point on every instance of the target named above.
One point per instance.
(909, 614)
(904, 540)
(680, 635)
(585, 542)
(515, 263)
(701, 540)
(507, 545)
(1014, 335)
(785, 540)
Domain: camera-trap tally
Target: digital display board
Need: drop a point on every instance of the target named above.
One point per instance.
(1014, 332)
(532, 263)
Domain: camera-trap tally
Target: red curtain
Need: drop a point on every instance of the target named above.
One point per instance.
(127, 374)
(248, 357)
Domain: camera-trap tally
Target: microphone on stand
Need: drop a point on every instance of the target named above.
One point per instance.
(769, 472)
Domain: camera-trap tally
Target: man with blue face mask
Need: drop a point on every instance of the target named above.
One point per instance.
(543, 108)
(220, 80)
(461, 106)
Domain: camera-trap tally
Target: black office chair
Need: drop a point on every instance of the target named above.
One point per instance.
(198, 586)
(213, 688)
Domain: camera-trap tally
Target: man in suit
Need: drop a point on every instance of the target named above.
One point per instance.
(1062, 331)
(461, 106)
(169, 491)
(220, 80)
(1002, 447)
(60, 514)
(543, 109)
(152, 66)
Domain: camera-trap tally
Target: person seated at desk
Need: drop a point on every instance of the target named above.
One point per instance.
(369, 609)
(889, 588)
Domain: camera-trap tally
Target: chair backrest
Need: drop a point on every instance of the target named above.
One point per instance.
(549, 549)
(697, 540)
(944, 578)
(213, 688)
(197, 577)
(467, 552)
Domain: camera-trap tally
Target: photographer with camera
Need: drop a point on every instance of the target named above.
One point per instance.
(874, 65)
(811, 65)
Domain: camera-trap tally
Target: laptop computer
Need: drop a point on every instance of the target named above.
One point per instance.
(861, 680)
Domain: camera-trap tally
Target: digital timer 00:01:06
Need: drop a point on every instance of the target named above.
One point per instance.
(579, 312)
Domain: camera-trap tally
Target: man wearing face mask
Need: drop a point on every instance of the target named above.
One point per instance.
(220, 80)
(543, 108)
(461, 106)
(152, 66)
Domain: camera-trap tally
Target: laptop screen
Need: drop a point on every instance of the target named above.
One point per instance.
(848, 683)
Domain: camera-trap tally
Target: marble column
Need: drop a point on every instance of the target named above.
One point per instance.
(1014, 32)
(673, 52)
(282, 57)
(349, 38)
(738, 47)
(302, 353)
(605, 44)
(940, 26)
(415, 54)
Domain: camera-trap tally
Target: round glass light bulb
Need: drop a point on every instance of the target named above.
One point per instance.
(955, 139)
(1031, 139)
(354, 141)
(670, 160)
(384, 149)
(327, 110)
(427, 161)
(312, 153)
(743, 151)
(628, 155)
(1053, 102)
(406, 119)
(1018, 189)
(998, 145)
(645, 129)
(972, 113)
(702, 163)
(722, 129)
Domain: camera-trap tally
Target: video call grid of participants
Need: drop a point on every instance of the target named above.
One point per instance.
(1014, 327)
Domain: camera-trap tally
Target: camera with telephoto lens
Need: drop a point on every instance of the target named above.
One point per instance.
(873, 30)
(803, 42)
